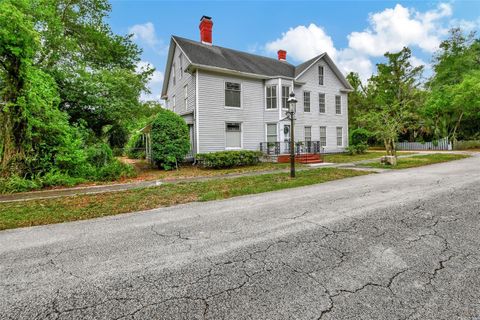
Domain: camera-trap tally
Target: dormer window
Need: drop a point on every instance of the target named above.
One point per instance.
(320, 75)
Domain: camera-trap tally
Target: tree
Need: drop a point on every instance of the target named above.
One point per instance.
(35, 135)
(170, 139)
(457, 58)
(357, 100)
(394, 96)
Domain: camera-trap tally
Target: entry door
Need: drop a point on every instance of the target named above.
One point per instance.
(286, 138)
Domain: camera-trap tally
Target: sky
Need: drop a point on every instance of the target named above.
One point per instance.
(355, 34)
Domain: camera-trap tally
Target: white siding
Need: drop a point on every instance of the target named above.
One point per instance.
(213, 115)
(177, 90)
(314, 118)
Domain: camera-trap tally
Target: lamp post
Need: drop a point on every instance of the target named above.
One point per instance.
(292, 101)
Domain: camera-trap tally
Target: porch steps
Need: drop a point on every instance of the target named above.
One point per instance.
(302, 158)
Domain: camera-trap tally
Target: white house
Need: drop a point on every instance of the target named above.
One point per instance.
(237, 100)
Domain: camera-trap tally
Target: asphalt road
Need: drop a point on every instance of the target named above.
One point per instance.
(394, 245)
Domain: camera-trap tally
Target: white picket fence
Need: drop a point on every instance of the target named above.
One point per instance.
(442, 144)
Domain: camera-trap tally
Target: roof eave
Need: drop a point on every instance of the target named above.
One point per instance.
(237, 73)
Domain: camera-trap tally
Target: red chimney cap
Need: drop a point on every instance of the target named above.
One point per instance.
(282, 55)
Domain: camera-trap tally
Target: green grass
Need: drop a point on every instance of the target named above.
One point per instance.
(417, 161)
(39, 212)
(345, 157)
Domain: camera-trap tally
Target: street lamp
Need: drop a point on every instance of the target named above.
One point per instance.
(292, 101)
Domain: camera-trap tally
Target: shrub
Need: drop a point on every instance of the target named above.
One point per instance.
(468, 144)
(99, 155)
(228, 159)
(57, 178)
(360, 136)
(135, 148)
(18, 184)
(117, 136)
(170, 139)
(357, 149)
(115, 170)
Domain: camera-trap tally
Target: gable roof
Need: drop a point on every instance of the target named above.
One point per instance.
(202, 55)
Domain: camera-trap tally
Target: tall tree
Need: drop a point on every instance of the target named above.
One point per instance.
(394, 96)
(457, 58)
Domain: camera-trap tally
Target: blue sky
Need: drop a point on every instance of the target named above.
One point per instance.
(354, 33)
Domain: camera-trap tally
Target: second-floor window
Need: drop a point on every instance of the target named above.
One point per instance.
(271, 97)
(174, 79)
(186, 96)
(338, 104)
(232, 94)
(321, 102)
(285, 94)
(306, 101)
(323, 136)
(320, 75)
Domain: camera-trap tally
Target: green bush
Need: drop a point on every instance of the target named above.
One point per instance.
(170, 139)
(359, 136)
(115, 170)
(117, 136)
(99, 155)
(56, 178)
(229, 159)
(467, 144)
(135, 148)
(357, 149)
(18, 184)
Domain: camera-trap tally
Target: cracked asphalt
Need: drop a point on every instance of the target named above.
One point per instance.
(394, 245)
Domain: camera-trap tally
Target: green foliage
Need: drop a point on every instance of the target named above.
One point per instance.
(465, 145)
(229, 159)
(135, 148)
(170, 139)
(117, 136)
(115, 170)
(99, 155)
(357, 149)
(359, 136)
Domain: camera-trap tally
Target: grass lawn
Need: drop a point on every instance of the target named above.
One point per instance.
(345, 157)
(38, 212)
(417, 161)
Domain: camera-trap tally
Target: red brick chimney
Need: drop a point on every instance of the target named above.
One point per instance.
(206, 30)
(282, 55)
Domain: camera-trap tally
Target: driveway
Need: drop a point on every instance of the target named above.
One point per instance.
(393, 245)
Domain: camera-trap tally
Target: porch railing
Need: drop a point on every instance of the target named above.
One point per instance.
(301, 147)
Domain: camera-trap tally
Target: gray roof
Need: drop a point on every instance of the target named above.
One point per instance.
(215, 56)
(206, 55)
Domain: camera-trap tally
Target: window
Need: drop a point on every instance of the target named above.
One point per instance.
(306, 101)
(174, 79)
(323, 136)
(271, 97)
(321, 103)
(271, 132)
(338, 105)
(308, 134)
(320, 75)
(180, 61)
(232, 94)
(233, 135)
(186, 96)
(285, 95)
(339, 136)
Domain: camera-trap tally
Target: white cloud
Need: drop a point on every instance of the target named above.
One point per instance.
(303, 43)
(155, 82)
(145, 34)
(388, 30)
(393, 29)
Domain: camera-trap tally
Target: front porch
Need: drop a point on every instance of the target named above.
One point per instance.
(305, 151)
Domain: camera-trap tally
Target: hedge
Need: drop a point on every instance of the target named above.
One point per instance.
(229, 159)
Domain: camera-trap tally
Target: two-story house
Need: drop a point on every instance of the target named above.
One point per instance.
(237, 100)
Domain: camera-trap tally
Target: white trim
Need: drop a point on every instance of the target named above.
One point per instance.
(310, 102)
(279, 98)
(336, 137)
(341, 111)
(197, 120)
(316, 60)
(324, 103)
(276, 107)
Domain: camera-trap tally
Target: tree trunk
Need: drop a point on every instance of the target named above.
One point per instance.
(457, 125)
